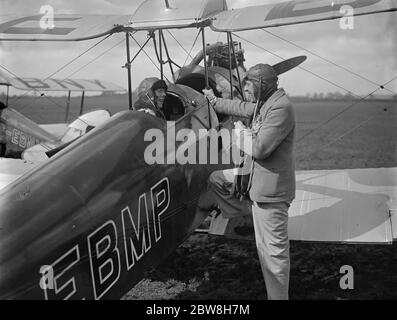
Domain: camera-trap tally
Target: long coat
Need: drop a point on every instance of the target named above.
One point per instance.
(273, 130)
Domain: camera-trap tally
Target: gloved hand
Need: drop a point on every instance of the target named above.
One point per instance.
(147, 110)
(210, 95)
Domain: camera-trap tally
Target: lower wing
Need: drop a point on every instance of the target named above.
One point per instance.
(336, 206)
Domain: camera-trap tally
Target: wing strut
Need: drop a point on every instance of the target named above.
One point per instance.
(8, 93)
(229, 51)
(161, 56)
(128, 66)
(206, 73)
(68, 107)
(230, 39)
(170, 62)
(205, 58)
(82, 103)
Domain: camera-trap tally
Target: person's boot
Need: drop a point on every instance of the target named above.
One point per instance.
(205, 225)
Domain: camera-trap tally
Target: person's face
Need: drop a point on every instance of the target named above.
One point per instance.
(222, 86)
(249, 91)
(224, 92)
(159, 95)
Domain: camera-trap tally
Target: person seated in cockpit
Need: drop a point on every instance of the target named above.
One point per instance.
(152, 100)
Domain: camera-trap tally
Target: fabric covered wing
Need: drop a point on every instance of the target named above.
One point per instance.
(295, 12)
(51, 84)
(65, 27)
(160, 14)
(12, 169)
(56, 129)
(353, 206)
(336, 206)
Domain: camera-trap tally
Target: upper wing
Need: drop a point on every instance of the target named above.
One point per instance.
(151, 14)
(66, 27)
(160, 14)
(51, 84)
(295, 12)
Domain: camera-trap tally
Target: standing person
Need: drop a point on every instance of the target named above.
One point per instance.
(272, 189)
(152, 100)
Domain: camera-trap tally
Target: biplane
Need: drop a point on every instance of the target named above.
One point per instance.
(88, 223)
(18, 133)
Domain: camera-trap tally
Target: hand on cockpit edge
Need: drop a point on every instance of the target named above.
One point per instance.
(147, 110)
(210, 95)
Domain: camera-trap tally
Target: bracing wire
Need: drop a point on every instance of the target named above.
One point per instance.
(96, 58)
(191, 49)
(329, 61)
(79, 56)
(91, 61)
(34, 89)
(342, 111)
(144, 51)
(64, 66)
(343, 135)
(300, 67)
(360, 99)
(183, 48)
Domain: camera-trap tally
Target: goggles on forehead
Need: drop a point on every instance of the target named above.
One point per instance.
(246, 78)
(264, 83)
(256, 81)
(266, 80)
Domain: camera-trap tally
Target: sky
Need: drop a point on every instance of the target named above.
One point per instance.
(368, 50)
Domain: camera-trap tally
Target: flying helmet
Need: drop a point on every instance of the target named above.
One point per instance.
(159, 84)
(265, 79)
(262, 73)
(144, 91)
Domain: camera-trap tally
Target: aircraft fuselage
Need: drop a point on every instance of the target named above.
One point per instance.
(89, 222)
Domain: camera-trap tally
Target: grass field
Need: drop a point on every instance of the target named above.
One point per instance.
(215, 268)
(367, 129)
(362, 137)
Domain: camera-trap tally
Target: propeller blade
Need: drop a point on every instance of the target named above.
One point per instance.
(288, 64)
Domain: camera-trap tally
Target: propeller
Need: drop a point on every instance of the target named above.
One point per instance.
(288, 64)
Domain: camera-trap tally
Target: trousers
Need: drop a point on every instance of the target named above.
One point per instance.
(271, 230)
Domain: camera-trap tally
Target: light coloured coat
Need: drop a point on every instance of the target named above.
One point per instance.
(273, 129)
